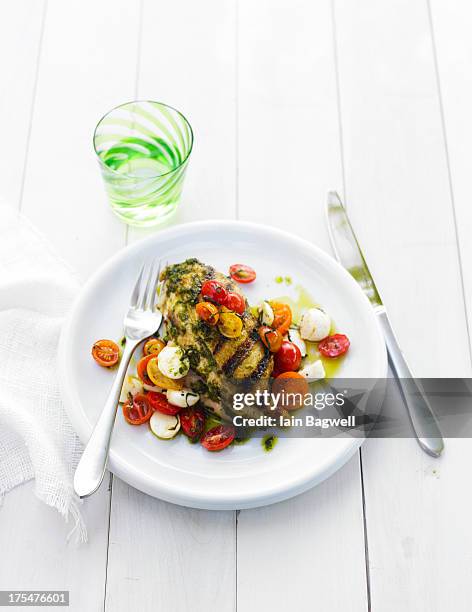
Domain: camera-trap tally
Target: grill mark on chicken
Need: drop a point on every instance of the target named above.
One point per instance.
(261, 366)
(238, 356)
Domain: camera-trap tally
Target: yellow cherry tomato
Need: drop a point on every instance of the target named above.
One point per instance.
(230, 325)
(158, 378)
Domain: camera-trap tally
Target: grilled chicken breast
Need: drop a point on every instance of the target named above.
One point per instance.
(222, 365)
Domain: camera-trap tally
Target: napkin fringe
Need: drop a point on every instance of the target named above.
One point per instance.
(79, 531)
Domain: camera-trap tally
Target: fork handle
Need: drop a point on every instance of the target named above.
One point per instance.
(421, 414)
(92, 465)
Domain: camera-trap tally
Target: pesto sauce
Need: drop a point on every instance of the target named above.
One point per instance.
(268, 442)
(302, 302)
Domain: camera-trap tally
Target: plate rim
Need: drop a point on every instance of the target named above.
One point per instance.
(131, 475)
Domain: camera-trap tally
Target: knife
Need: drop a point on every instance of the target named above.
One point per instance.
(349, 255)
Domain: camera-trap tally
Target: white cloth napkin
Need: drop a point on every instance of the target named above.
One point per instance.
(36, 438)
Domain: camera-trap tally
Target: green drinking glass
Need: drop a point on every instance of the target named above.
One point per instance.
(143, 149)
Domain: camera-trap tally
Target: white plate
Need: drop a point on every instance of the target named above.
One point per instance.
(241, 476)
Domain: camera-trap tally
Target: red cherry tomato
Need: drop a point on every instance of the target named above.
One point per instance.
(334, 346)
(214, 291)
(241, 273)
(158, 401)
(235, 302)
(218, 437)
(137, 410)
(287, 358)
(192, 421)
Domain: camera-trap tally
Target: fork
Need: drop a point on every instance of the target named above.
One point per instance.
(141, 321)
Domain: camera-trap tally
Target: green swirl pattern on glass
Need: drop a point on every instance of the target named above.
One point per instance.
(143, 148)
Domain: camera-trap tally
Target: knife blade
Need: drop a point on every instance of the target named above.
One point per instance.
(349, 254)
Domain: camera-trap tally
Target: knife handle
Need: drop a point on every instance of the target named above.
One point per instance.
(421, 415)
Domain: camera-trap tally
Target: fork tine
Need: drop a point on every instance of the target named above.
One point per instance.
(144, 287)
(154, 296)
(137, 289)
(150, 287)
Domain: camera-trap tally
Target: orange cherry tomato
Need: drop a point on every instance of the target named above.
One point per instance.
(137, 410)
(141, 369)
(282, 316)
(153, 346)
(106, 353)
(294, 387)
(271, 338)
(207, 312)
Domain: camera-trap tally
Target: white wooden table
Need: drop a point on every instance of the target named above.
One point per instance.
(287, 99)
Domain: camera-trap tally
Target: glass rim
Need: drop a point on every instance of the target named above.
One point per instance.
(156, 102)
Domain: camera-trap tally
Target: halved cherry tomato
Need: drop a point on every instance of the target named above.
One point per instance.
(242, 273)
(287, 359)
(235, 302)
(192, 421)
(157, 377)
(230, 325)
(137, 410)
(158, 401)
(271, 338)
(141, 369)
(214, 291)
(218, 437)
(207, 312)
(294, 387)
(282, 316)
(106, 353)
(153, 346)
(334, 346)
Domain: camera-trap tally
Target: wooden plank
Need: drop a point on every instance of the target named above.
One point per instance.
(452, 22)
(166, 557)
(193, 69)
(189, 554)
(37, 555)
(20, 34)
(309, 551)
(398, 196)
(64, 197)
(77, 84)
(33, 537)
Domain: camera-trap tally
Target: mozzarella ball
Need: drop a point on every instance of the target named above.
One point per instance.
(131, 385)
(164, 426)
(313, 371)
(172, 362)
(314, 325)
(267, 314)
(295, 338)
(183, 398)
